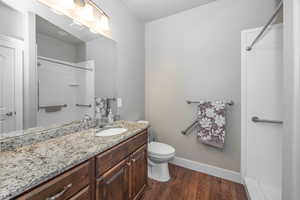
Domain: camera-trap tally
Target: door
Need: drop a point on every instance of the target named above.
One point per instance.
(7, 120)
(138, 173)
(11, 72)
(114, 184)
(262, 93)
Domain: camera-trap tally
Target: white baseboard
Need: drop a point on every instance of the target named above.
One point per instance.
(208, 169)
(253, 190)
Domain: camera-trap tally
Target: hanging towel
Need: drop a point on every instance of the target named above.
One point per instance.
(211, 117)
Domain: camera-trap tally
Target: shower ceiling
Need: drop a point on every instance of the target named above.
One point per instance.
(149, 10)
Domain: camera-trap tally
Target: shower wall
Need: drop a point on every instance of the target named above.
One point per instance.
(58, 49)
(63, 85)
(60, 84)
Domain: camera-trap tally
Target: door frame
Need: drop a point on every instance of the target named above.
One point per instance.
(18, 46)
(291, 139)
(244, 45)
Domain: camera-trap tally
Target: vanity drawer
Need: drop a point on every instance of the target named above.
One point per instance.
(64, 186)
(82, 195)
(110, 158)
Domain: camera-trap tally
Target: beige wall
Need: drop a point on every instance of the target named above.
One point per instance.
(196, 55)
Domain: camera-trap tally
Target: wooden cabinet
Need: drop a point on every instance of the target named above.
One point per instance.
(64, 186)
(114, 184)
(113, 156)
(127, 180)
(138, 173)
(119, 173)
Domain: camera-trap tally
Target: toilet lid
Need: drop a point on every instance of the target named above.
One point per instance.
(158, 148)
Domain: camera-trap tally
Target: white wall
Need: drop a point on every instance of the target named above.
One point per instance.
(128, 33)
(104, 52)
(12, 22)
(196, 55)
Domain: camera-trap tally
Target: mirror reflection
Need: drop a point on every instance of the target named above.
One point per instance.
(65, 77)
(52, 76)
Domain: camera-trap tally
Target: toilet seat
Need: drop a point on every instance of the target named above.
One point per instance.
(160, 150)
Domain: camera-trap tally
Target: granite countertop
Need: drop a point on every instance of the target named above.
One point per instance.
(23, 168)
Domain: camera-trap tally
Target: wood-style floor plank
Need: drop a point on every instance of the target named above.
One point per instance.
(191, 185)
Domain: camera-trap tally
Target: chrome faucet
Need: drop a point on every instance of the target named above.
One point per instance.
(103, 111)
(86, 122)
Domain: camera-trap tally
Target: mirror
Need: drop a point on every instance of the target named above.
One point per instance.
(52, 75)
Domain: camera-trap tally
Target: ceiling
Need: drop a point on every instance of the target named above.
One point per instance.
(149, 10)
(46, 28)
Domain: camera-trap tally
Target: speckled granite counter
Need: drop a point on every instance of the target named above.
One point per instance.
(26, 167)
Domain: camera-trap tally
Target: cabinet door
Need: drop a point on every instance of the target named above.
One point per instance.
(138, 175)
(114, 184)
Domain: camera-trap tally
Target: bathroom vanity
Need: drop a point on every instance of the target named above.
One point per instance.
(89, 167)
(52, 79)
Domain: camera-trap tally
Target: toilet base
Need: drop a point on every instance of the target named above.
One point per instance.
(159, 172)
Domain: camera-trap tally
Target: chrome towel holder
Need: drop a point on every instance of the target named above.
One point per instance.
(184, 132)
(230, 103)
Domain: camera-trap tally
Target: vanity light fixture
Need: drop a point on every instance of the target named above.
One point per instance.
(67, 4)
(82, 12)
(104, 23)
(87, 12)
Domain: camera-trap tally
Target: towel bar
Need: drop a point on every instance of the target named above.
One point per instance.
(230, 103)
(61, 106)
(54, 108)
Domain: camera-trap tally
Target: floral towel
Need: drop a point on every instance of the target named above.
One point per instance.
(212, 122)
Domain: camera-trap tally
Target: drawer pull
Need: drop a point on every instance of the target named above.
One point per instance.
(137, 157)
(56, 196)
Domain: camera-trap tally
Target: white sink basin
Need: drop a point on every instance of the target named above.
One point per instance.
(111, 132)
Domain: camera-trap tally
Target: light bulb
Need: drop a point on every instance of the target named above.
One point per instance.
(67, 4)
(104, 23)
(92, 30)
(87, 12)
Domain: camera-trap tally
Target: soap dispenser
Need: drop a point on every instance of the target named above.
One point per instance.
(110, 117)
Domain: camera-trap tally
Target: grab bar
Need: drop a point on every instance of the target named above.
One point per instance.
(258, 120)
(84, 105)
(189, 127)
(280, 5)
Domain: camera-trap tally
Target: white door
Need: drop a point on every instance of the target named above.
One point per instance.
(10, 86)
(262, 97)
(7, 90)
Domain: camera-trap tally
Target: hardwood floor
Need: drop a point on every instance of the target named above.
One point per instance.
(191, 185)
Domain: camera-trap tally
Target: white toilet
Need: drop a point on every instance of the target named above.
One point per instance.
(159, 155)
